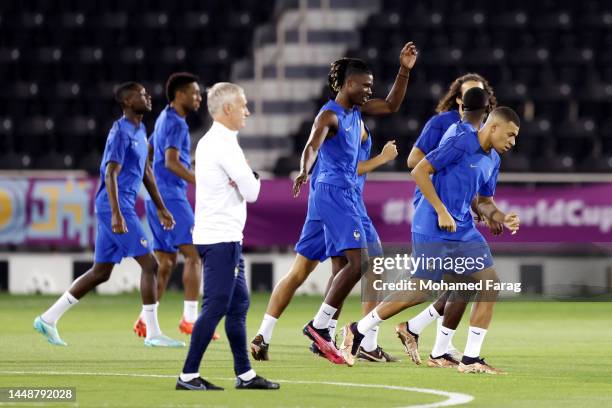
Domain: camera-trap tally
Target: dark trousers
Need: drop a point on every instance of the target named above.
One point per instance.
(225, 294)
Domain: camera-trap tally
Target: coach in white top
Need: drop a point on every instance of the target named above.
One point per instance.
(220, 208)
(224, 184)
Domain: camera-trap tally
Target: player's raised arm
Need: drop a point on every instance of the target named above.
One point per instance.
(325, 123)
(162, 212)
(394, 99)
(388, 153)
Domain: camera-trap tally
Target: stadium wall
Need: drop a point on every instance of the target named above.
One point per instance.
(549, 276)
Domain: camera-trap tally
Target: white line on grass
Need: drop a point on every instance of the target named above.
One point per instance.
(452, 398)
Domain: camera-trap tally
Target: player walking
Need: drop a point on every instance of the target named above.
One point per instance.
(124, 166)
(169, 151)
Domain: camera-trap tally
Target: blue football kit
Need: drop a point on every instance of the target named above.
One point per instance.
(171, 132)
(316, 240)
(462, 170)
(126, 145)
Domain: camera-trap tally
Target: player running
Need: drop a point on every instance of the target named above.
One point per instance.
(337, 132)
(451, 108)
(464, 166)
(120, 234)
(311, 250)
(169, 151)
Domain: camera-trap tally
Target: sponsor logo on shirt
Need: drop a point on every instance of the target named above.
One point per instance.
(143, 242)
(356, 235)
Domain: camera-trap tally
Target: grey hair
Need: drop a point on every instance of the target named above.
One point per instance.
(221, 93)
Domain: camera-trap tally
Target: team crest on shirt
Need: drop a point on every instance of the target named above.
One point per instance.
(143, 242)
(236, 271)
(356, 235)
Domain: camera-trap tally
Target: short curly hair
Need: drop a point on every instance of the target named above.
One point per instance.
(178, 81)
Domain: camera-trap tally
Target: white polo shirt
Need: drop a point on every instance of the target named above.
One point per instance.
(220, 209)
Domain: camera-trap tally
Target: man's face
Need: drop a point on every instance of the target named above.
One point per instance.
(503, 135)
(140, 101)
(238, 112)
(190, 97)
(360, 88)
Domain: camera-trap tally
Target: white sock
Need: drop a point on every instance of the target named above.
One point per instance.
(188, 377)
(267, 327)
(368, 322)
(142, 313)
(443, 339)
(248, 376)
(190, 310)
(370, 341)
(323, 316)
(423, 319)
(475, 338)
(61, 306)
(333, 323)
(451, 346)
(149, 314)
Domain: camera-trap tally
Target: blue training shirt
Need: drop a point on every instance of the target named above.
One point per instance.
(126, 145)
(338, 154)
(171, 131)
(463, 169)
(431, 135)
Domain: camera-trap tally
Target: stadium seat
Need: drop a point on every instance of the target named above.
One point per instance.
(11, 160)
(551, 55)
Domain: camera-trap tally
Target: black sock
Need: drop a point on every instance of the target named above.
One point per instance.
(469, 360)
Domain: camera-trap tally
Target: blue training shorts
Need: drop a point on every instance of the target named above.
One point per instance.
(169, 240)
(311, 244)
(342, 222)
(437, 256)
(111, 247)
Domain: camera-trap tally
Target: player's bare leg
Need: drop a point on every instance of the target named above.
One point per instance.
(347, 277)
(99, 273)
(167, 264)
(285, 289)
(281, 296)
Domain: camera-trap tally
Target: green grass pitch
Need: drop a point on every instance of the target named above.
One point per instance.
(556, 354)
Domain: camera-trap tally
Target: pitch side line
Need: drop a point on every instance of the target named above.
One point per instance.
(452, 398)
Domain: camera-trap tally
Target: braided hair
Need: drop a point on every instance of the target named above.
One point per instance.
(343, 68)
(448, 101)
